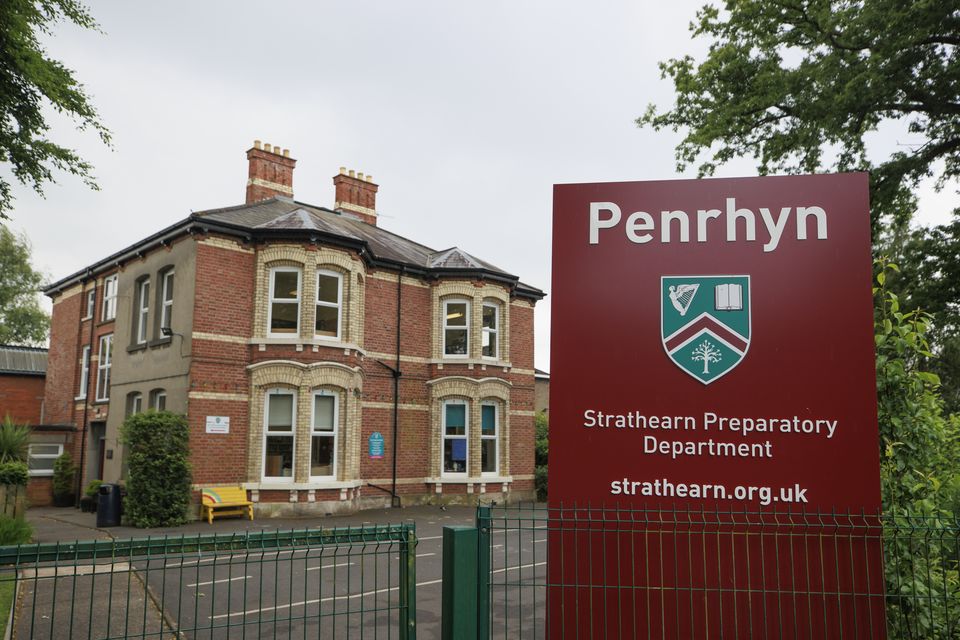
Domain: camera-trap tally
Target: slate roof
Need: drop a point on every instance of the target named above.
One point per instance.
(24, 361)
(282, 217)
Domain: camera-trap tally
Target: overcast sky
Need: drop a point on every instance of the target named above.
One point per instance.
(465, 115)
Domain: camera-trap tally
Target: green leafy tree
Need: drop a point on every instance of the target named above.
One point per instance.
(929, 279)
(920, 480)
(30, 83)
(801, 84)
(22, 321)
(541, 449)
(158, 483)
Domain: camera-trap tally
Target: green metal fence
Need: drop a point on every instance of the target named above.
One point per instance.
(357, 582)
(639, 573)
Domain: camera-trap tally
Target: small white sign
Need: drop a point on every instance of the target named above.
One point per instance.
(218, 424)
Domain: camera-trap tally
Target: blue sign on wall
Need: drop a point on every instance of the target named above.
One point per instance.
(375, 445)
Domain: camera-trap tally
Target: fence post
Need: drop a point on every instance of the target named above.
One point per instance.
(408, 585)
(459, 617)
(483, 572)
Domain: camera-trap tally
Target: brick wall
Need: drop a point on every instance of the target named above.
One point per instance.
(21, 397)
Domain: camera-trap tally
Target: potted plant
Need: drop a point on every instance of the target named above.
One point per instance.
(88, 503)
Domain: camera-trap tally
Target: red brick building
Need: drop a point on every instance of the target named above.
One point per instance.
(23, 373)
(305, 345)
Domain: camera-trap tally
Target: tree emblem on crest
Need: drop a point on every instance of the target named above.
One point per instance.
(706, 352)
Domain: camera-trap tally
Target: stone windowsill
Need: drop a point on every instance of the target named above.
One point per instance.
(313, 342)
(471, 480)
(301, 486)
(473, 361)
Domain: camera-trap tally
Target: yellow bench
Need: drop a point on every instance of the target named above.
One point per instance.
(225, 501)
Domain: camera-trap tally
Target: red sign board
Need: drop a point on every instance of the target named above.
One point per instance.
(712, 347)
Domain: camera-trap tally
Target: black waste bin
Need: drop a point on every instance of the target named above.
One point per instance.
(108, 506)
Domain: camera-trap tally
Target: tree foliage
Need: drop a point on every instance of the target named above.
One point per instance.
(22, 321)
(158, 484)
(541, 449)
(800, 84)
(929, 279)
(30, 82)
(920, 480)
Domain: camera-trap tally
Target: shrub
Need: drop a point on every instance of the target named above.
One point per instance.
(14, 441)
(63, 476)
(14, 473)
(93, 488)
(158, 482)
(14, 530)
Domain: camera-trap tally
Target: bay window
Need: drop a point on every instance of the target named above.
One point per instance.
(454, 431)
(284, 316)
(456, 327)
(323, 440)
(329, 304)
(489, 438)
(278, 434)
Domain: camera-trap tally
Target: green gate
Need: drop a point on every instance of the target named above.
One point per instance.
(330, 583)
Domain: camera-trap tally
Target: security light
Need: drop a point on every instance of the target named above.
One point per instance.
(166, 332)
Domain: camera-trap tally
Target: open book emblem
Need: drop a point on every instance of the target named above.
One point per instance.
(705, 323)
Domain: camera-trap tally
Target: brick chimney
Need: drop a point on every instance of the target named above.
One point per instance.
(271, 172)
(356, 194)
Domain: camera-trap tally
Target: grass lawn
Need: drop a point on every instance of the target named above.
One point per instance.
(6, 601)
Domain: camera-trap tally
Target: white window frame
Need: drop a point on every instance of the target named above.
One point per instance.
(495, 331)
(338, 305)
(325, 434)
(143, 310)
(155, 400)
(272, 300)
(136, 403)
(91, 304)
(104, 363)
(84, 372)
(166, 299)
(466, 327)
(43, 456)
(466, 437)
(109, 308)
(495, 437)
(292, 434)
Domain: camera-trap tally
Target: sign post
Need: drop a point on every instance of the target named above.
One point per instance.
(712, 351)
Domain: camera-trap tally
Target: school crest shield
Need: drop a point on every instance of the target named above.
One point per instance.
(705, 323)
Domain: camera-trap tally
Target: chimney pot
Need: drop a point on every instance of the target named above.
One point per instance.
(270, 174)
(356, 194)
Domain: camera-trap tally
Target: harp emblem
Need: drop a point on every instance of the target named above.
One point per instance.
(705, 323)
